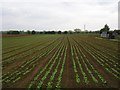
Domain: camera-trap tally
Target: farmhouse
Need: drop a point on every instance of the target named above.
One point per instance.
(110, 34)
(105, 34)
(105, 31)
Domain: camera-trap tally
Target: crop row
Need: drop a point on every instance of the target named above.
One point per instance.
(25, 67)
(107, 59)
(25, 49)
(101, 60)
(48, 67)
(108, 52)
(89, 67)
(31, 51)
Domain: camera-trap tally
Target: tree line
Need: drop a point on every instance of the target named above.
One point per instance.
(75, 31)
(33, 32)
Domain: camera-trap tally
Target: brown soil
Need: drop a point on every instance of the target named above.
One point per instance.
(23, 83)
(68, 77)
(6, 35)
(68, 80)
(112, 81)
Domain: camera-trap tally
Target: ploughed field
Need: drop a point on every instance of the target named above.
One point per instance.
(59, 61)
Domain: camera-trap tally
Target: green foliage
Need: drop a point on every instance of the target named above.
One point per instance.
(105, 29)
(13, 32)
(84, 69)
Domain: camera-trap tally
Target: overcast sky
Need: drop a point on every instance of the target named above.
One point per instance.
(59, 14)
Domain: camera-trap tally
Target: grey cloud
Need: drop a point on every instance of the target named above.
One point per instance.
(59, 14)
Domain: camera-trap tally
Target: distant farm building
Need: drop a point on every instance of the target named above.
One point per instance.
(105, 34)
(110, 34)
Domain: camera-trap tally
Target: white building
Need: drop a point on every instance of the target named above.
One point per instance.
(105, 34)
